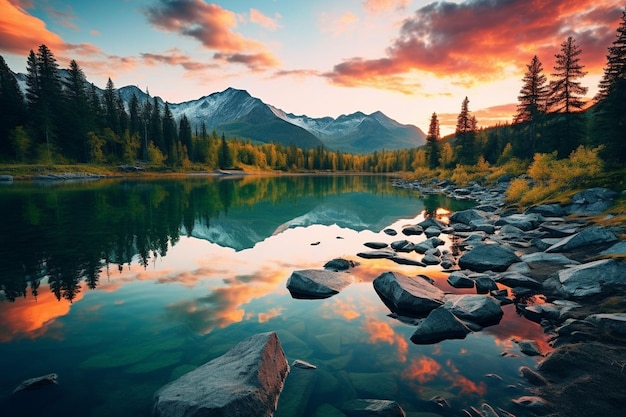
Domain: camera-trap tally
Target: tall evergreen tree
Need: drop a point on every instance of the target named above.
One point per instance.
(465, 134)
(111, 108)
(134, 118)
(155, 132)
(79, 119)
(184, 135)
(610, 111)
(170, 136)
(532, 104)
(432, 140)
(225, 158)
(12, 106)
(566, 98)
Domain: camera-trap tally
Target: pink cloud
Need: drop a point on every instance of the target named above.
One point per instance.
(264, 21)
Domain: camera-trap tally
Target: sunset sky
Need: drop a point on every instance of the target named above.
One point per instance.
(405, 58)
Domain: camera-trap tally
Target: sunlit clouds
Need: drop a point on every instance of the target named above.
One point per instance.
(21, 32)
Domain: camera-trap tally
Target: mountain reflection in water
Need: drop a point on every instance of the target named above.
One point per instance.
(122, 286)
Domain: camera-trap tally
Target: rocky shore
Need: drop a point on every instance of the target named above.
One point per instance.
(555, 265)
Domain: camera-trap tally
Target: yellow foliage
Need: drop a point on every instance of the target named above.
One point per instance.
(517, 189)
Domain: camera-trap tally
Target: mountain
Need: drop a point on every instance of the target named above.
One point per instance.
(359, 132)
(236, 113)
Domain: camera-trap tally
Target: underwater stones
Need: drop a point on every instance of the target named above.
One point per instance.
(372, 408)
(439, 325)
(297, 391)
(488, 257)
(413, 297)
(317, 283)
(245, 381)
(37, 383)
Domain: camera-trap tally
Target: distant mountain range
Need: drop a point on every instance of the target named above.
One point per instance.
(237, 114)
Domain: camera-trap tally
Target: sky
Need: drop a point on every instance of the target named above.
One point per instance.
(406, 58)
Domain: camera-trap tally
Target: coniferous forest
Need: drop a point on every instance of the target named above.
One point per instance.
(61, 118)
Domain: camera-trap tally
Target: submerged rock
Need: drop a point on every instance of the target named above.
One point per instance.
(413, 297)
(317, 283)
(37, 382)
(245, 381)
(372, 408)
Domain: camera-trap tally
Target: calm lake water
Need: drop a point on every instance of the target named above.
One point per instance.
(121, 286)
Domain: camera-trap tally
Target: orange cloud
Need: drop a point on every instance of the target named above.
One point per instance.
(378, 6)
(273, 312)
(346, 309)
(339, 25)
(489, 116)
(264, 21)
(32, 318)
(20, 32)
(485, 39)
(175, 57)
(422, 369)
(380, 331)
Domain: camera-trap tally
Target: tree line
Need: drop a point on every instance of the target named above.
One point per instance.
(63, 118)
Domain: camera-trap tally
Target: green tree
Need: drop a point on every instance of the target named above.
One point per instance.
(111, 108)
(12, 106)
(566, 98)
(185, 137)
(170, 136)
(432, 140)
(225, 158)
(155, 129)
(465, 134)
(610, 111)
(532, 104)
(21, 143)
(79, 119)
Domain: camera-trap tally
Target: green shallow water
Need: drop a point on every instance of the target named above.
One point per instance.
(122, 286)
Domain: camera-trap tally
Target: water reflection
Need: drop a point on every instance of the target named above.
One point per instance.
(149, 288)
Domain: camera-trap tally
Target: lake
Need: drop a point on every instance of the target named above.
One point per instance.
(120, 286)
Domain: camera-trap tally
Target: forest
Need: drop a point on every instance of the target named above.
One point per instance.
(61, 118)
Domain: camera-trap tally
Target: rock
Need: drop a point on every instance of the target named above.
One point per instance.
(615, 323)
(376, 254)
(530, 402)
(487, 257)
(562, 230)
(406, 261)
(6, 178)
(439, 325)
(548, 210)
(479, 309)
(317, 283)
(590, 278)
(485, 284)
(618, 249)
(37, 383)
(372, 408)
(423, 247)
(402, 246)
(339, 264)
(432, 231)
(484, 227)
(413, 297)
(525, 222)
(376, 245)
(297, 391)
(593, 235)
(556, 258)
(466, 216)
(529, 347)
(591, 201)
(539, 312)
(412, 230)
(515, 279)
(532, 376)
(430, 259)
(390, 232)
(298, 363)
(431, 222)
(245, 381)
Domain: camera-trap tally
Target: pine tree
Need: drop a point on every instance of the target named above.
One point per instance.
(532, 104)
(225, 158)
(12, 106)
(169, 129)
(155, 132)
(432, 140)
(79, 119)
(111, 108)
(184, 135)
(610, 112)
(566, 97)
(465, 134)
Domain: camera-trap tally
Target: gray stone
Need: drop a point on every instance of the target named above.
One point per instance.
(485, 284)
(533, 377)
(439, 325)
(529, 347)
(376, 254)
(402, 246)
(317, 283)
(376, 245)
(413, 297)
(390, 232)
(431, 222)
(593, 235)
(556, 258)
(432, 231)
(480, 309)
(545, 311)
(413, 230)
(610, 322)
(592, 201)
(560, 230)
(339, 264)
(406, 261)
(422, 247)
(548, 210)
(590, 278)
(372, 408)
(466, 216)
(618, 249)
(515, 279)
(430, 259)
(37, 383)
(525, 222)
(245, 381)
(297, 391)
(488, 258)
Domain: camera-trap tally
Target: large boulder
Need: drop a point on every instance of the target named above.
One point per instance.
(480, 309)
(488, 257)
(592, 201)
(439, 325)
(466, 216)
(594, 235)
(317, 283)
(245, 381)
(413, 297)
(614, 323)
(591, 278)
